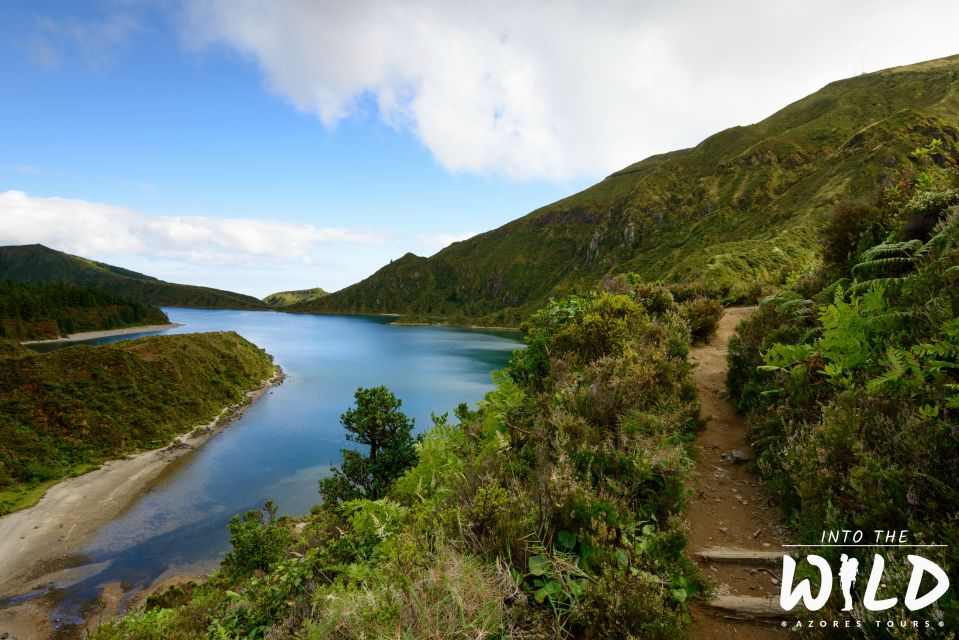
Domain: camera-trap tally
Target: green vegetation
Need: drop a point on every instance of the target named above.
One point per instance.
(36, 263)
(52, 310)
(282, 299)
(387, 435)
(553, 510)
(850, 380)
(69, 410)
(746, 204)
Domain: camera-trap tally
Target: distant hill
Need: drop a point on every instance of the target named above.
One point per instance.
(36, 263)
(286, 298)
(38, 311)
(740, 206)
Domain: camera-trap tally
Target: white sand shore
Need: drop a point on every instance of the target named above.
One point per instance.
(35, 541)
(92, 335)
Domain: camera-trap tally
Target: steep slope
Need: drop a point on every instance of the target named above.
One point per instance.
(286, 298)
(741, 205)
(36, 263)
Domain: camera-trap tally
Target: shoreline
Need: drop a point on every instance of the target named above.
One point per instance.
(93, 335)
(36, 541)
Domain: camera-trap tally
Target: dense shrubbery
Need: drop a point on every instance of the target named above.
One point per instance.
(851, 379)
(554, 510)
(34, 311)
(79, 406)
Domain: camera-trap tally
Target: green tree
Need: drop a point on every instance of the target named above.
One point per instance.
(377, 423)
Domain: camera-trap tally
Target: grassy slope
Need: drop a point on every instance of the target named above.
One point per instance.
(739, 206)
(286, 298)
(31, 311)
(37, 263)
(67, 410)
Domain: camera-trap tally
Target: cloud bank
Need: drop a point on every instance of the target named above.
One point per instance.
(94, 229)
(570, 88)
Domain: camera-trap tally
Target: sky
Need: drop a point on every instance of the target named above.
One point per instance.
(258, 145)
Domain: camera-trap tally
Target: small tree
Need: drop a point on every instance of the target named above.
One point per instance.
(376, 422)
(258, 543)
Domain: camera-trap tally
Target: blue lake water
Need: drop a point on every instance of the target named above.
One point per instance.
(286, 441)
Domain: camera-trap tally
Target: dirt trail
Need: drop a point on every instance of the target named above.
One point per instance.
(729, 507)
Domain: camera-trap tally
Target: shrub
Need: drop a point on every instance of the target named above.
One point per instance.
(258, 543)
(851, 227)
(702, 314)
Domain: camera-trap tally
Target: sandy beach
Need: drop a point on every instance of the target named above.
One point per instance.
(34, 542)
(93, 335)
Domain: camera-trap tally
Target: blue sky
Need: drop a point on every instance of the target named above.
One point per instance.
(134, 128)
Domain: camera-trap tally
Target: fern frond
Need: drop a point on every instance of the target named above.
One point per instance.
(879, 263)
(887, 248)
(896, 370)
(865, 285)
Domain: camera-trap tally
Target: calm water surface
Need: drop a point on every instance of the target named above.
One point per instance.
(286, 441)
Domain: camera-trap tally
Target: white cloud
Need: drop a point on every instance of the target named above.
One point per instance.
(99, 230)
(438, 241)
(569, 88)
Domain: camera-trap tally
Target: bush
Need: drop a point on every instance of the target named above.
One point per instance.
(258, 543)
(702, 315)
(852, 226)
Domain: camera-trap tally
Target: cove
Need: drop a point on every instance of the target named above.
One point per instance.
(283, 444)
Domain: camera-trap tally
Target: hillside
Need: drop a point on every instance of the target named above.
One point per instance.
(38, 311)
(286, 298)
(740, 206)
(71, 409)
(37, 263)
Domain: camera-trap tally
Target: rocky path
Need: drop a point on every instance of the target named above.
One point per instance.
(735, 533)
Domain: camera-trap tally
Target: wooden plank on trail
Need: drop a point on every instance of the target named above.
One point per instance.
(746, 556)
(753, 607)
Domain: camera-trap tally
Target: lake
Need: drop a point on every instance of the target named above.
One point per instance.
(286, 441)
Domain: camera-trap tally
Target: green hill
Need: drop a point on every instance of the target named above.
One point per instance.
(37, 311)
(742, 205)
(286, 298)
(36, 263)
(65, 411)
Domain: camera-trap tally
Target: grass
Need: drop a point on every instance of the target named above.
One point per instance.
(26, 495)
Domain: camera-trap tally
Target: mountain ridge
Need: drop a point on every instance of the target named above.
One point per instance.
(745, 204)
(36, 263)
